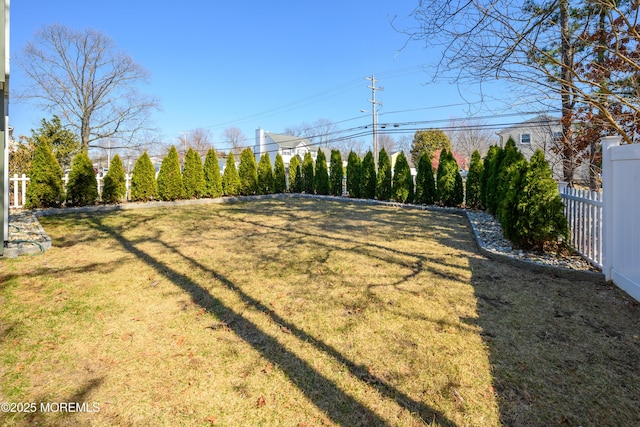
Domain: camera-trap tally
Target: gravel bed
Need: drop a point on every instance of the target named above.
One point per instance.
(492, 239)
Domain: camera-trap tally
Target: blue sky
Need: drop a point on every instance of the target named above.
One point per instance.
(220, 64)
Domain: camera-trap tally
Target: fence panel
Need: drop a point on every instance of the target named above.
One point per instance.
(621, 188)
(18, 188)
(583, 210)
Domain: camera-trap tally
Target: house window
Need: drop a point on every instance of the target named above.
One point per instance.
(557, 136)
(301, 151)
(286, 152)
(525, 138)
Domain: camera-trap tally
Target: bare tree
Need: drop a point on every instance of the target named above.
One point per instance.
(321, 133)
(83, 78)
(469, 135)
(237, 140)
(545, 46)
(387, 142)
(199, 139)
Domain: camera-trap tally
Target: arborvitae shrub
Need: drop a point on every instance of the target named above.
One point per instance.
(402, 180)
(369, 178)
(321, 176)
(82, 188)
(384, 184)
(509, 205)
(170, 186)
(193, 176)
(230, 177)
(492, 181)
(511, 155)
(307, 174)
(265, 175)
(472, 199)
(143, 180)
(354, 175)
(212, 177)
(446, 179)
(295, 174)
(336, 173)
(458, 188)
(45, 189)
(541, 218)
(279, 175)
(425, 183)
(247, 170)
(114, 185)
(486, 171)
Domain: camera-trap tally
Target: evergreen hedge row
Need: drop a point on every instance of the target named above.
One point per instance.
(521, 194)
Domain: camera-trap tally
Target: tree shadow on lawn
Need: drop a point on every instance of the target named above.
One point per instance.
(326, 395)
(563, 352)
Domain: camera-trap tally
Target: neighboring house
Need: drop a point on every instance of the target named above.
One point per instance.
(285, 145)
(539, 132)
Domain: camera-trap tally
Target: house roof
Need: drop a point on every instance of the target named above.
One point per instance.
(541, 120)
(288, 141)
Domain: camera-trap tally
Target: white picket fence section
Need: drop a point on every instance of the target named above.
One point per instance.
(583, 209)
(621, 189)
(18, 188)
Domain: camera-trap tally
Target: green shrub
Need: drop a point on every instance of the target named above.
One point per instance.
(336, 173)
(230, 177)
(45, 189)
(279, 175)
(114, 185)
(458, 188)
(487, 164)
(369, 177)
(354, 176)
(472, 190)
(307, 174)
(384, 185)
(448, 193)
(295, 174)
(170, 186)
(248, 173)
(193, 176)
(143, 180)
(321, 176)
(212, 177)
(511, 156)
(425, 183)
(265, 175)
(402, 180)
(493, 197)
(510, 201)
(541, 217)
(82, 188)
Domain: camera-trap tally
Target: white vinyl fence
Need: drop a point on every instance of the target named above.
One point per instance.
(583, 210)
(18, 188)
(621, 189)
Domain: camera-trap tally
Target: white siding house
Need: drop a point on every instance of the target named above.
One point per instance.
(539, 132)
(285, 145)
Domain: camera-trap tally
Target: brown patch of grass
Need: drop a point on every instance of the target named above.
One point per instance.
(294, 312)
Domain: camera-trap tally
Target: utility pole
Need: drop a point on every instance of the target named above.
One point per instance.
(374, 114)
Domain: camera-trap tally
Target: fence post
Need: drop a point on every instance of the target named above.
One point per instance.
(15, 189)
(24, 189)
(608, 188)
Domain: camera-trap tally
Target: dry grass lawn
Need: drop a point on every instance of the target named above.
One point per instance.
(302, 312)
